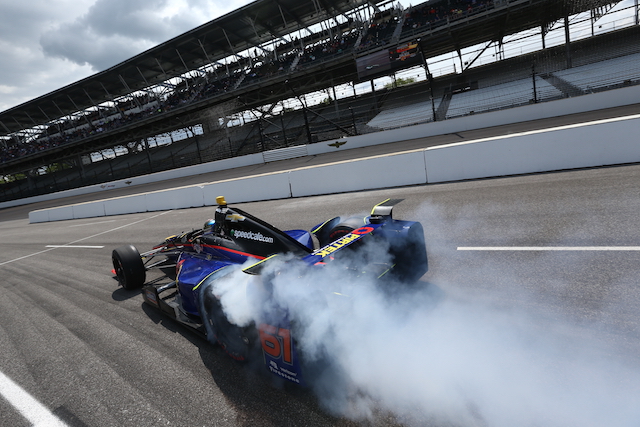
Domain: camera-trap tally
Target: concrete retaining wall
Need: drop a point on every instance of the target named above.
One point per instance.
(362, 174)
(592, 102)
(605, 142)
(596, 144)
(236, 162)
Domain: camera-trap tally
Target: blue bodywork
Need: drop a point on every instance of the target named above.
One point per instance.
(236, 239)
(194, 267)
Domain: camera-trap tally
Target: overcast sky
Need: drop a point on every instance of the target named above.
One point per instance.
(47, 44)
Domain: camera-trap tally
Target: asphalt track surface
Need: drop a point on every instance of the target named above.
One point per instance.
(95, 355)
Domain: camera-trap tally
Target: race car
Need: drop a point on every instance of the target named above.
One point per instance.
(235, 248)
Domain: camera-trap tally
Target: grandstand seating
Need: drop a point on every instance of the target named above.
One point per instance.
(405, 115)
(245, 72)
(328, 49)
(505, 95)
(406, 109)
(380, 30)
(430, 15)
(604, 74)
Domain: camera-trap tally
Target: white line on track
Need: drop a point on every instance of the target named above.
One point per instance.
(92, 223)
(549, 248)
(74, 246)
(538, 131)
(36, 413)
(83, 239)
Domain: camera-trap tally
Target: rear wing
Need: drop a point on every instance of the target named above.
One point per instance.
(380, 214)
(382, 211)
(319, 255)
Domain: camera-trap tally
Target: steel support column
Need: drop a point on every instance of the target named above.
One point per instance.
(567, 40)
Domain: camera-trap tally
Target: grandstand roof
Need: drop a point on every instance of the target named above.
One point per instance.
(244, 28)
(260, 22)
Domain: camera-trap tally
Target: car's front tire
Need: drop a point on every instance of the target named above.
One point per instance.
(129, 267)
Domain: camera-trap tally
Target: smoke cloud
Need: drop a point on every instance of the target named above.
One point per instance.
(429, 357)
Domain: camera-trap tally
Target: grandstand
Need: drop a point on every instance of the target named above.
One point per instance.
(510, 83)
(224, 89)
(603, 75)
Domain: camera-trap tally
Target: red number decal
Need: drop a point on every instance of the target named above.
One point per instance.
(270, 344)
(362, 230)
(276, 342)
(287, 355)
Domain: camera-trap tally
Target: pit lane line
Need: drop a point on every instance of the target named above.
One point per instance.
(91, 223)
(70, 244)
(36, 413)
(74, 246)
(549, 248)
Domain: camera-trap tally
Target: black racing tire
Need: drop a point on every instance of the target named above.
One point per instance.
(344, 228)
(129, 267)
(340, 230)
(410, 256)
(238, 342)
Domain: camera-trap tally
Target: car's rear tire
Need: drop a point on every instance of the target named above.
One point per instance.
(129, 267)
(343, 228)
(238, 342)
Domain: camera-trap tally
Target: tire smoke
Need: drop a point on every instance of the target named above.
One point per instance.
(431, 357)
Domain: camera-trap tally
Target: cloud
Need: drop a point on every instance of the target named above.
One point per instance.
(24, 72)
(112, 31)
(48, 44)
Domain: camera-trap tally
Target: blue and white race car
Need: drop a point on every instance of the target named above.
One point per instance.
(237, 247)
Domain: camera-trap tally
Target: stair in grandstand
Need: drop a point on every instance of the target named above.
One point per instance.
(358, 40)
(201, 86)
(398, 31)
(568, 90)
(294, 64)
(239, 82)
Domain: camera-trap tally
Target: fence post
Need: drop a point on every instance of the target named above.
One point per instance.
(146, 149)
(353, 120)
(533, 76)
(284, 133)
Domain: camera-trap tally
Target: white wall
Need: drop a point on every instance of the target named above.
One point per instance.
(362, 174)
(596, 144)
(236, 162)
(599, 143)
